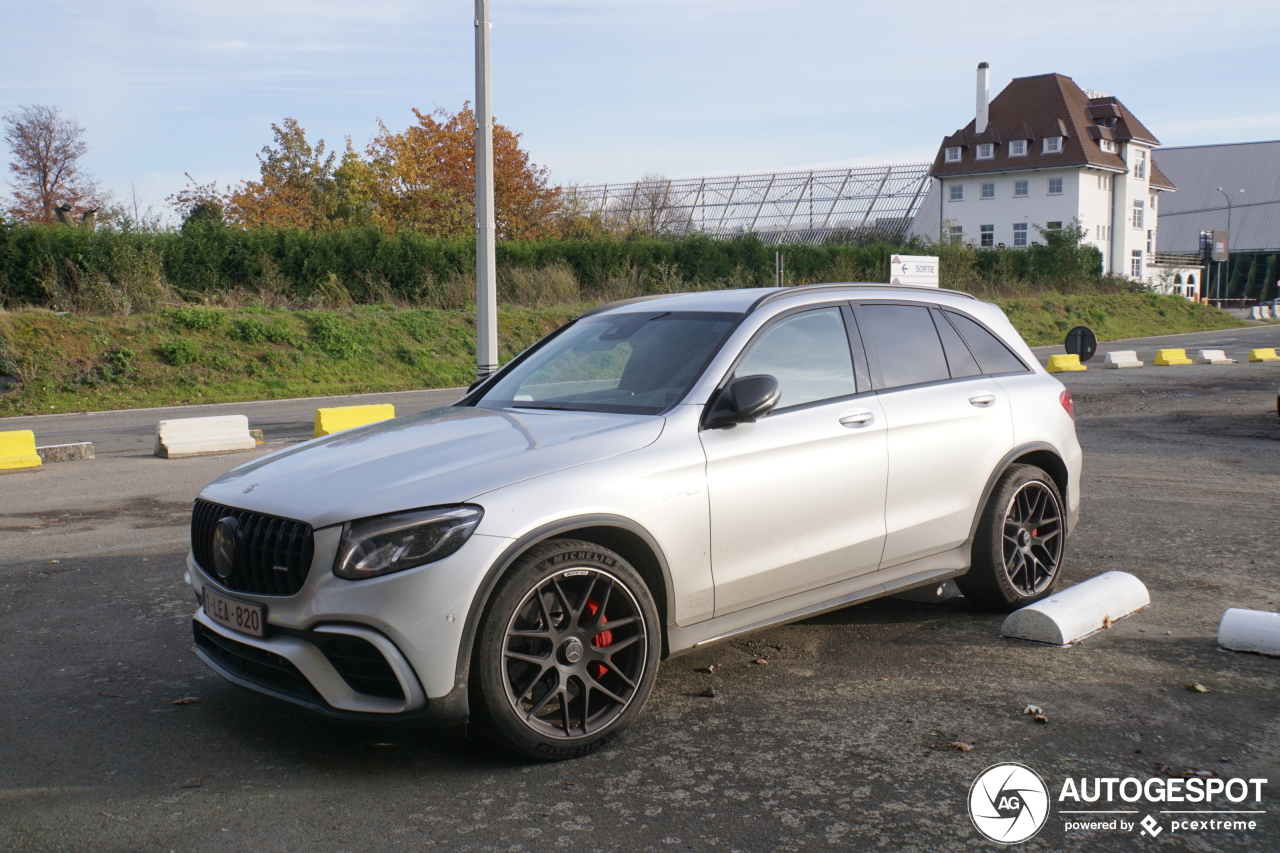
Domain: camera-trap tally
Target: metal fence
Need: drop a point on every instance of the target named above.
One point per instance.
(813, 206)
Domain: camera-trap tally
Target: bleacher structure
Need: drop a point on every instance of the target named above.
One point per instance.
(806, 206)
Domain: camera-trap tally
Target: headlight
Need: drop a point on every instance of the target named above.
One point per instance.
(392, 543)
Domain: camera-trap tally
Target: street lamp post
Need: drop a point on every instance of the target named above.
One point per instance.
(1228, 261)
(486, 274)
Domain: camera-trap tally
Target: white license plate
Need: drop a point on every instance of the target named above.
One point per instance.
(243, 616)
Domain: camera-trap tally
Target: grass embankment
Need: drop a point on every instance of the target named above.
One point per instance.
(65, 363)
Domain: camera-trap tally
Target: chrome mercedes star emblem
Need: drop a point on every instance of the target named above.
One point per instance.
(251, 488)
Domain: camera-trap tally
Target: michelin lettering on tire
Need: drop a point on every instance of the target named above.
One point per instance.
(1008, 803)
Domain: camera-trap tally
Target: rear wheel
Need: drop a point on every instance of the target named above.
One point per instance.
(567, 653)
(1018, 548)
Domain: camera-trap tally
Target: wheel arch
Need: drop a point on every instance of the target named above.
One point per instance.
(631, 541)
(1041, 454)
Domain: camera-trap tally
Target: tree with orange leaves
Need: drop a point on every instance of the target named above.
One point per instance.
(424, 179)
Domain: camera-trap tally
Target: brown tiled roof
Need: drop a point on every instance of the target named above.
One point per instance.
(1032, 108)
(1158, 178)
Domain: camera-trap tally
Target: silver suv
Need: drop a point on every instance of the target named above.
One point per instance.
(660, 474)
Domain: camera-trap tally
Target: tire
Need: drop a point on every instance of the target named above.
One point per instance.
(1018, 547)
(567, 651)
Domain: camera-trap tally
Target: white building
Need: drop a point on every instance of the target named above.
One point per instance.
(1044, 153)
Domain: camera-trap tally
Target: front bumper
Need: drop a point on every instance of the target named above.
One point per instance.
(385, 649)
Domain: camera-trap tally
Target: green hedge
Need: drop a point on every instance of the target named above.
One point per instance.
(38, 265)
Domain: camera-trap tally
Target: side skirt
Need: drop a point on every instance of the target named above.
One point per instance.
(834, 596)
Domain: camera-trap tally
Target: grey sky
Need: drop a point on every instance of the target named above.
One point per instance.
(613, 89)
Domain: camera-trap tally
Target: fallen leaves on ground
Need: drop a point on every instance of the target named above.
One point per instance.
(1197, 687)
(961, 746)
(186, 700)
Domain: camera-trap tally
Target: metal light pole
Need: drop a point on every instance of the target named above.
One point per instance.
(486, 259)
(1228, 269)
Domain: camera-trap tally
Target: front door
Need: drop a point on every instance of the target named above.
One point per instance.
(797, 498)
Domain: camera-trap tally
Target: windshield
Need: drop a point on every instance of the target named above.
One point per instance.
(634, 363)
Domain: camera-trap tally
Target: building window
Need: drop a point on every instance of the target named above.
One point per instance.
(1055, 186)
(1140, 166)
(1104, 182)
(988, 190)
(1135, 264)
(1191, 280)
(1104, 232)
(986, 151)
(1021, 189)
(957, 192)
(1053, 226)
(1053, 145)
(1153, 205)
(953, 155)
(987, 236)
(1138, 206)
(1151, 242)
(1107, 145)
(1019, 233)
(1018, 148)
(957, 233)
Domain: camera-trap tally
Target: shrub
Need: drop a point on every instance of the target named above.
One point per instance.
(195, 319)
(179, 352)
(333, 337)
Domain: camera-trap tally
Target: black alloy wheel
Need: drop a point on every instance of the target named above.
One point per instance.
(1019, 543)
(568, 651)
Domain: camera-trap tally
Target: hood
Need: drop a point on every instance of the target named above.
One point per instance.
(441, 456)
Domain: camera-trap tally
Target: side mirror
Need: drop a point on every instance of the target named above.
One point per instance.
(745, 400)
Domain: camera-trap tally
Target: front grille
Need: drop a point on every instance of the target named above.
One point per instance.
(253, 664)
(361, 665)
(274, 555)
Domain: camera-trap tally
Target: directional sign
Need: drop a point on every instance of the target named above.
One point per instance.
(921, 270)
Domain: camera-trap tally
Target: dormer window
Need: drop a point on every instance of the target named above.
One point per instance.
(1018, 148)
(1107, 145)
(986, 151)
(1053, 145)
(953, 154)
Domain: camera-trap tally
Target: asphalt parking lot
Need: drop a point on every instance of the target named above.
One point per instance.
(844, 738)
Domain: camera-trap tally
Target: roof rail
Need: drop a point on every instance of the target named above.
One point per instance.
(783, 292)
(618, 303)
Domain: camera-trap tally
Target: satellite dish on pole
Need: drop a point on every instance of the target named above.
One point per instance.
(1083, 342)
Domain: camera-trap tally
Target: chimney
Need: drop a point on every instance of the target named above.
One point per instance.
(984, 95)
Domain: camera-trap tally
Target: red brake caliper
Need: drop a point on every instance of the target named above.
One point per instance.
(601, 640)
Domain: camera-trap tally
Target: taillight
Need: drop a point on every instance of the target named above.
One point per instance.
(1068, 404)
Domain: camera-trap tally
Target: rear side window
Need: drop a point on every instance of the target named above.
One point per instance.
(906, 344)
(992, 354)
(959, 359)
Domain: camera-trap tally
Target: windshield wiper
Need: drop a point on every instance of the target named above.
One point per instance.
(560, 407)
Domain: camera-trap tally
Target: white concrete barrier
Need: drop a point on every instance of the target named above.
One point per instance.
(1074, 613)
(1122, 358)
(203, 436)
(1266, 312)
(1214, 356)
(1255, 312)
(1250, 631)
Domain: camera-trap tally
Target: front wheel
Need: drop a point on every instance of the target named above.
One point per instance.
(1018, 548)
(567, 653)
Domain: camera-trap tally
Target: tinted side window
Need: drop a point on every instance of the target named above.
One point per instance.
(993, 355)
(808, 353)
(959, 359)
(905, 342)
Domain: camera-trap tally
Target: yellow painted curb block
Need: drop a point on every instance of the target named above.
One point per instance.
(1268, 354)
(1169, 357)
(1065, 364)
(18, 450)
(329, 421)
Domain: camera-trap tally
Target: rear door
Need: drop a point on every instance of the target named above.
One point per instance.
(949, 426)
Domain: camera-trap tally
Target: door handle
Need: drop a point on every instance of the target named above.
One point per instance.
(857, 419)
(982, 400)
